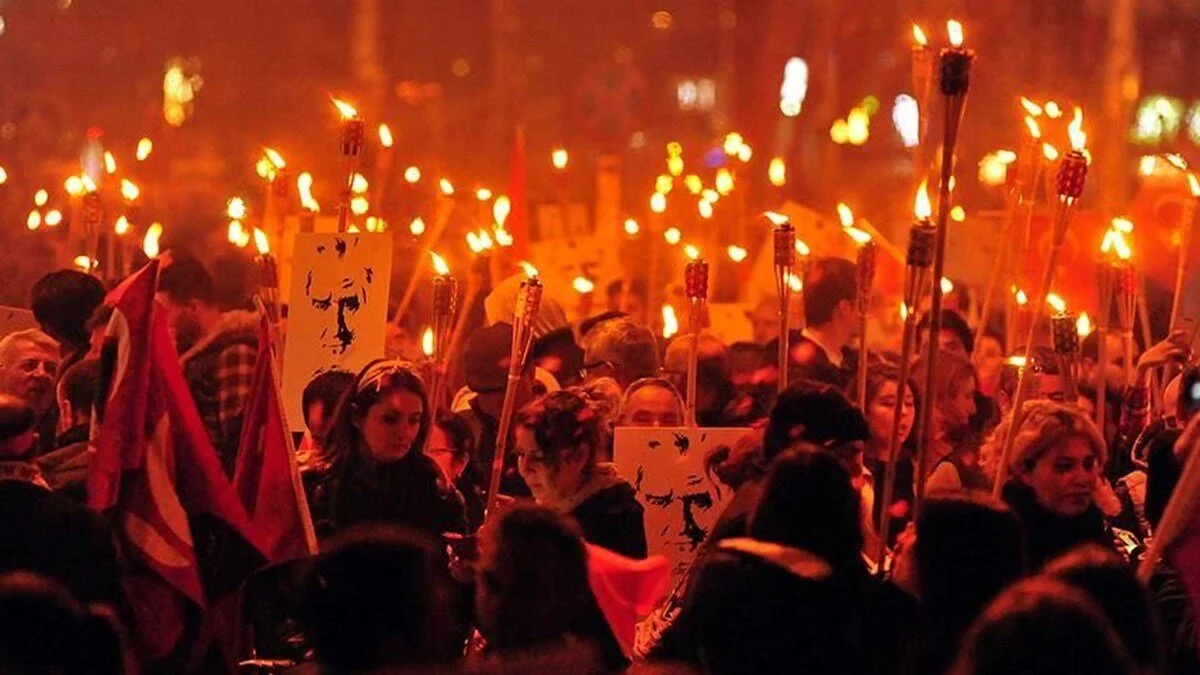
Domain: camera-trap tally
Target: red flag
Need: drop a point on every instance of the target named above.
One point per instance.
(153, 467)
(518, 220)
(267, 478)
(625, 589)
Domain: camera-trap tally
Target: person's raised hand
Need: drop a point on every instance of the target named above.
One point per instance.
(1174, 348)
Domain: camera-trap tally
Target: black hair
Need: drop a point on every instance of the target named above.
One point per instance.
(816, 413)
(1089, 348)
(808, 503)
(1111, 584)
(535, 585)
(376, 379)
(372, 599)
(47, 631)
(185, 278)
(587, 325)
(953, 322)
(879, 373)
(81, 384)
(327, 389)
(829, 281)
(63, 301)
(561, 421)
(458, 432)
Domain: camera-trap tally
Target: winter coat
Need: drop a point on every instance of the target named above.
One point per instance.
(1049, 535)
(612, 518)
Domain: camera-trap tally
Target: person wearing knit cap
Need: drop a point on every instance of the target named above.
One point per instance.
(45, 532)
(487, 358)
(1055, 467)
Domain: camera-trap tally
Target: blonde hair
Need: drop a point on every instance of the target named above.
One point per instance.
(1044, 425)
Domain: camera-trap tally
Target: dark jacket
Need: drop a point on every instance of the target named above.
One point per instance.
(1049, 535)
(484, 429)
(411, 491)
(809, 361)
(614, 519)
(66, 470)
(787, 613)
(49, 534)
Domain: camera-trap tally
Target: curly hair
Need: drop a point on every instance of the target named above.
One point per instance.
(564, 420)
(1044, 425)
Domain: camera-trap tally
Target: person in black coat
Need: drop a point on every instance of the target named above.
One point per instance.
(794, 596)
(1055, 464)
(44, 532)
(372, 470)
(558, 439)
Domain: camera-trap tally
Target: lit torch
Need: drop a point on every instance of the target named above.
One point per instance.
(955, 80)
(268, 276)
(696, 289)
(529, 301)
(445, 304)
(785, 260)
(1072, 172)
(353, 131)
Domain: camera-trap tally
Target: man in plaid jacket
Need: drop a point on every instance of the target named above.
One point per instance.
(218, 350)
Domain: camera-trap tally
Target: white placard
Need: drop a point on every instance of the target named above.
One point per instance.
(337, 312)
(682, 501)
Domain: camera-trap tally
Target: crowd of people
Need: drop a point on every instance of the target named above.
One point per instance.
(414, 575)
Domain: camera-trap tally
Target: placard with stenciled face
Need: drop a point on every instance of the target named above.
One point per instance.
(337, 309)
(681, 497)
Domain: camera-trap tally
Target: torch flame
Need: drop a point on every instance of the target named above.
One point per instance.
(777, 172)
(1049, 152)
(503, 238)
(670, 322)
(385, 136)
(845, 215)
(724, 181)
(304, 184)
(1083, 325)
(261, 243)
(129, 190)
(1022, 299)
(903, 311)
(706, 209)
(121, 227)
(1193, 184)
(1124, 225)
(110, 163)
(1016, 361)
(1056, 303)
(84, 263)
(53, 218)
(1053, 110)
(922, 207)
(275, 158)
(89, 185)
(34, 221)
(412, 174)
(235, 233)
(236, 208)
(483, 194)
(583, 285)
(1176, 160)
(559, 158)
(73, 186)
(632, 227)
(446, 186)
(417, 226)
(795, 282)
(691, 252)
(1035, 132)
(955, 30)
(776, 219)
(673, 235)
(658, 202)
(919, 36)
(860, 237)
(1075, 130)
(947, 286)
(359, 184)
(737, 254)
(150, 241)
(1031, 108)
(501, 210)
(346, 110)
(41, 197)
(802, 248)
(530, 270)
(439, 264)
(144, 148)
(427, 341)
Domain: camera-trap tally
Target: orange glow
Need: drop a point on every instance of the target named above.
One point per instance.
(261, 243)
(385, 136)
(919, 36)
(150, 241)
(670, 322)
(845, 215)
(347, 111)
(1035, 132)
(1075, 131)
(439, 264)
(922, 207)
(955, 30)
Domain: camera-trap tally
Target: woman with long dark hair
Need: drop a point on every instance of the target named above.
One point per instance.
(953, 455)
(372, 468)
(884, 393)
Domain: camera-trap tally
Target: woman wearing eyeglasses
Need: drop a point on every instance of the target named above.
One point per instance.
(372, 468)
(559, 444)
